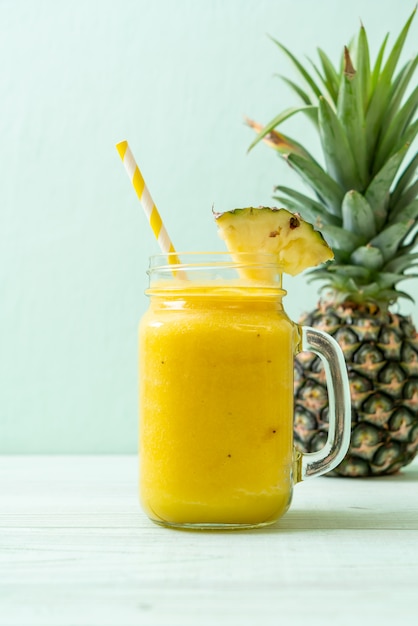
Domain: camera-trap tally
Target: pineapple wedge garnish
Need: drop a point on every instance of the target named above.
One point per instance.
(264, 230)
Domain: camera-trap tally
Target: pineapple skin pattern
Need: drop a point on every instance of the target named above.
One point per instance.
(365, 204)
(381, 353)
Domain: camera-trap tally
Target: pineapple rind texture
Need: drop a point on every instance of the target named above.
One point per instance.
(381, 352)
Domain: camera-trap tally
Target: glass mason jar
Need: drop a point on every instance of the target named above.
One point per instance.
(216, 393)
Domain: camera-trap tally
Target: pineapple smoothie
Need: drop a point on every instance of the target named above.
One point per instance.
(216, 427)
(216, 376)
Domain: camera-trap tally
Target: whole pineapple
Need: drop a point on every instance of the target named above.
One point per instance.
(365, 203)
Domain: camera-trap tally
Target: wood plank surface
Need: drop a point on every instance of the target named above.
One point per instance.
(76, 550)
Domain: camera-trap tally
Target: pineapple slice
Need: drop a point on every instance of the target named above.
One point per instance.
(258, 231)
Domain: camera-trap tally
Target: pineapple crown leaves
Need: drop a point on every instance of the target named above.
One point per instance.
(365, 198)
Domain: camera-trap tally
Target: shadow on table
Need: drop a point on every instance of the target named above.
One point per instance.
(407, 475)
(356, 517)
(352, 518)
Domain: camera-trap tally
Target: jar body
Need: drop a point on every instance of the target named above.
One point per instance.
(216, 407)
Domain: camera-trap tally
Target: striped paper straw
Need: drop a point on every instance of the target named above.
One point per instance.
(145, 199)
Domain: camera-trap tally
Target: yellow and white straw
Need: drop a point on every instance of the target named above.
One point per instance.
(145, 199)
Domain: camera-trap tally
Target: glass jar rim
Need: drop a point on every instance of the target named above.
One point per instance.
(187, 272)
(194, 259)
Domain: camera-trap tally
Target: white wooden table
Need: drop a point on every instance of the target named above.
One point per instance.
(76, 550)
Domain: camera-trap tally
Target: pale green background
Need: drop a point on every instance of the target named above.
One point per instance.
(175, 78)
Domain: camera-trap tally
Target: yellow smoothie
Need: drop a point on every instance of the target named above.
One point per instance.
(216, 406)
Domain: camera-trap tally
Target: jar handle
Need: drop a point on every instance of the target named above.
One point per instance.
(316, 463)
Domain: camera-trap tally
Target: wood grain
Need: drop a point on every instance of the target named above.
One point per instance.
(76, 550)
